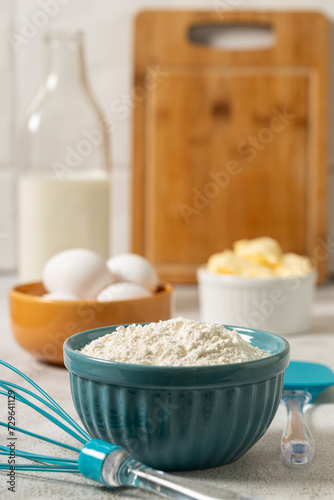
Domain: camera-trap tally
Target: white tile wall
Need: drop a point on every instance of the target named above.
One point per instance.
(110, 84)
(7, 220)
(108, 28)
(7, 216)
(6, 86)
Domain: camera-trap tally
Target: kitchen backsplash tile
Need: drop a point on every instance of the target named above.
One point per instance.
(108, 30)
(7, 219)
(6, 89)
(6, 117)
(6, 140)
(5, 47)
(112, 88)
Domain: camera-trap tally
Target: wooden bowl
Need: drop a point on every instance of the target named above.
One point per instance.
(41, 326)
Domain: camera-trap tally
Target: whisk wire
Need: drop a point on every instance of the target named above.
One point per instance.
(41, 468)
(58, 409)
(7, 385)
(48, 415)
(37, 457)
(43, 438)
(43, 402)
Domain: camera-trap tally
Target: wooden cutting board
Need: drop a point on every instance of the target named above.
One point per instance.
(229, 144)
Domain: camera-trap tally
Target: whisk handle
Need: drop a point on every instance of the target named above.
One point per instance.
(92, 457)
(113, 466)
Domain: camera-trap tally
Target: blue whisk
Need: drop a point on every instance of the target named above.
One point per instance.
(98, 460)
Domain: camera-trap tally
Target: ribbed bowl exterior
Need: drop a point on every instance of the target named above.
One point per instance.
(174, 417)
(177, 429)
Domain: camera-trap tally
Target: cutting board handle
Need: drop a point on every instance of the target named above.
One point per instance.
(231, 20)
(233, 36)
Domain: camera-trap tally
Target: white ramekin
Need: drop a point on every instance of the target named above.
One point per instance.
(277, 305)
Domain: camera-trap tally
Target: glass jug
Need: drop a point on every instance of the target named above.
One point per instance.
(63, 192)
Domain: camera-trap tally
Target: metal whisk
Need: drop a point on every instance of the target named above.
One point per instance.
(98, 460)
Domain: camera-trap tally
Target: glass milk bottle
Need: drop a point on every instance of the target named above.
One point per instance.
(63, 191)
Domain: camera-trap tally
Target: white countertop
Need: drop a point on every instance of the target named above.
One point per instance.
(261, 473)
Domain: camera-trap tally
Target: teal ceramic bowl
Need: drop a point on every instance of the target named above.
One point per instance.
(178, 418)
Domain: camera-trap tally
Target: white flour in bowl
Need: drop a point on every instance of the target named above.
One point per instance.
(176, 342)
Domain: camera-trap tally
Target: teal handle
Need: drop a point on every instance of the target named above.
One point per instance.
(92, 457)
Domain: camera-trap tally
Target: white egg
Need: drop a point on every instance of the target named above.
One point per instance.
(122, 291)
(78, 271)
(134, 269)
(59, 296)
